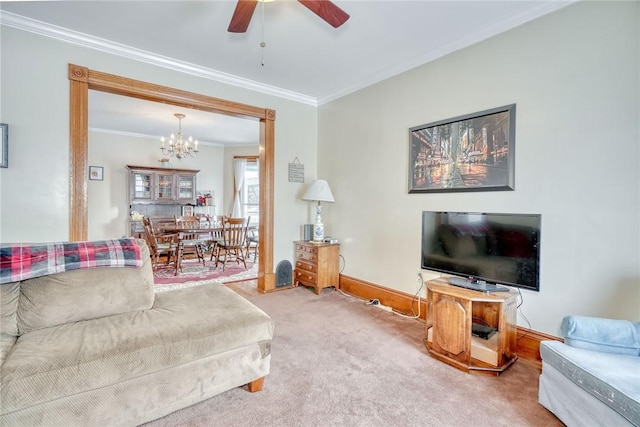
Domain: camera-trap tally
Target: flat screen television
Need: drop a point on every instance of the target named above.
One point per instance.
(497, 248)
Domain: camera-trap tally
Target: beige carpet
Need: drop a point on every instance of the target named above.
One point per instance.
(337, 362)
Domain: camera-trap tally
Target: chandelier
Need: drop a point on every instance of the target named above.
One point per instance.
(178, 146)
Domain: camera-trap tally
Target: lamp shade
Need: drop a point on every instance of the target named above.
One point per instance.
(319, 191)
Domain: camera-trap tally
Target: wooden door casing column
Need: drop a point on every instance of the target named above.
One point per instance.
(83, 79)
(78, 153)
(266, 282)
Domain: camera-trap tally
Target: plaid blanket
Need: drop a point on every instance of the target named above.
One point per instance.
(21, 261)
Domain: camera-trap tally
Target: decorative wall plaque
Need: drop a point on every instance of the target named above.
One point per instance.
(296, 171)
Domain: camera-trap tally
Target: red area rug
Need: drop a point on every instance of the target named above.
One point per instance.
(194, 273)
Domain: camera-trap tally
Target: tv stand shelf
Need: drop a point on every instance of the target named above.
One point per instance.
(451, 312)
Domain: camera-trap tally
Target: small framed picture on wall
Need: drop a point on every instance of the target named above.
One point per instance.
(187, 210)
(4, 145)
(96, 173)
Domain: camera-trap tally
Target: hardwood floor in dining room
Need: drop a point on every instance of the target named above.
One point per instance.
(246, 288)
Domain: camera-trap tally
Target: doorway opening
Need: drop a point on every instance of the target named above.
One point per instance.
(83, 79)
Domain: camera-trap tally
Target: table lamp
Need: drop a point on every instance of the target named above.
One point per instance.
(318, 191)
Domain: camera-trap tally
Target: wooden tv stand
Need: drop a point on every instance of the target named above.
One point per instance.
(451, 312)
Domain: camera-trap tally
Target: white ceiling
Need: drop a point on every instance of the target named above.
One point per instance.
(135, 117)
(305, 59)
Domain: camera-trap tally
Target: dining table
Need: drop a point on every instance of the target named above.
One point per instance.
(187, 233)
(208, 233)
(203, 229)
(200, 230)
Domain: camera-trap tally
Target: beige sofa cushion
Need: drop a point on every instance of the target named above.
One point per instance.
(9, 296)
(85, 294)
(183, 326)
(6, 344)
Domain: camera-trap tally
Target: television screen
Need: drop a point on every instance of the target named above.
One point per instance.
(494, 247)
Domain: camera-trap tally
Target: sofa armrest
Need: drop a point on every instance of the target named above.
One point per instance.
(605, 335)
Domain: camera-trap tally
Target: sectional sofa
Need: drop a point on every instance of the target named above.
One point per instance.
(97, 345)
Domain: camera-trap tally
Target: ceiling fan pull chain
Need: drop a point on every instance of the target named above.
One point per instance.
(262, 43)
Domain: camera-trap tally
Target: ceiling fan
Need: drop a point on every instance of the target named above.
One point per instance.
(325, 9)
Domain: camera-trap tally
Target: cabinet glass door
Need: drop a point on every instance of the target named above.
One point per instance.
(186, 187)
(166, 187)
(142, 186)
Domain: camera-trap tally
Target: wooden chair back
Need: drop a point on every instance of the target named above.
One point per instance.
(149, 235)
(231, 248)
(190, 242)
(204, 219)
(234, 232)
(188, 222)
(164, 245)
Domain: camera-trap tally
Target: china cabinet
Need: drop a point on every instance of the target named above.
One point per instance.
(162, 185)
(159, 193)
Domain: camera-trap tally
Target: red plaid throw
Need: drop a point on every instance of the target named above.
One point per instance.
(21, 261)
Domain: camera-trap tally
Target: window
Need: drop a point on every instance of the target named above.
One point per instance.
(250, 193)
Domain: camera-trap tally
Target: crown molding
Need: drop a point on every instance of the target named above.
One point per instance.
(80, 39)
(219, 143)
(489, 30)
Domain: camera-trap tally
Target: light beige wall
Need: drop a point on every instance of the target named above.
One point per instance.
(109, 199)
(574, 76)
(34, 190)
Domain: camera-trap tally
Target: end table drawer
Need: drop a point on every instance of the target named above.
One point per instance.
(306, 277)
(300, 265)
(307, 256)
(307, 248)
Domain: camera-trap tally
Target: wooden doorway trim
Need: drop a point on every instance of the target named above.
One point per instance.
(82, 79)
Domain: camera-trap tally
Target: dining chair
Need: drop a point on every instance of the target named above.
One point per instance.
(189, 242)
(252, 243)
(216, 235)
(204, 219)
(160, 245)
(217, 220)
(232, 246)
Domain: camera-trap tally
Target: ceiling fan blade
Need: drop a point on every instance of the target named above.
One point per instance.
(242, 16)
(328, 11)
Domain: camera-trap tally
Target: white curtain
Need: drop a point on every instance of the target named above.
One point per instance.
(238, 175)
